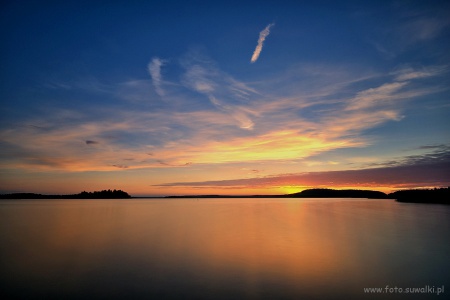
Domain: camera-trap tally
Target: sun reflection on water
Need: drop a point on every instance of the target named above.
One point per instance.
(247, 248)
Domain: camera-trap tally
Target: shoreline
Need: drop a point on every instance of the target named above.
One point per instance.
(431, 196)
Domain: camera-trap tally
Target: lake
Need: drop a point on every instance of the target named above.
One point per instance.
(223, 249)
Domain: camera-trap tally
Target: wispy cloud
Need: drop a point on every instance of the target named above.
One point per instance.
(375, 97)
(409, 73)
(88, 84)
(211, 118)
(428, 170)
(262, 36)
(154, 68)
(423, 28)
(239, 114)
(223, 91)
(409, 30)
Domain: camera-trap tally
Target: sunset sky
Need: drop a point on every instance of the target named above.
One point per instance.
(224, 97)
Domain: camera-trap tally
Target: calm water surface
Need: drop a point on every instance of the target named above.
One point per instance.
(221, 248)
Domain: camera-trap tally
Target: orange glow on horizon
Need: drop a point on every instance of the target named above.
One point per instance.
(277, 145)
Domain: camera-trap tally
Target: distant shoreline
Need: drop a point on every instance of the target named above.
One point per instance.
(105, 194)
(435, 196)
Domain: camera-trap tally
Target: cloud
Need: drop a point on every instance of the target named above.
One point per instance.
(238, 114)
(427, 170)
(163, 163)
(154, 68)
(372, 97)
(376, 105)
(223, 91)
(262, 36)
(423, 28)
(411, 30)
(89, 84)
(440, 146)
(120, 166)
(211, 118)
(409, 73)
(200, 78)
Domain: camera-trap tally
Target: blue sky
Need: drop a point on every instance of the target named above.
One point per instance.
(163, 98)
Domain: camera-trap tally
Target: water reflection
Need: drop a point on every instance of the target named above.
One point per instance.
(219, 248)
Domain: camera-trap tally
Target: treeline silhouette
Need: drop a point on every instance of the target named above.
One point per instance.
(310, 193)
(330, 193)
(104, 194)
(436, 195)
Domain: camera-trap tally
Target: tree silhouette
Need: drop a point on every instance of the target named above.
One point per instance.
(436, 195)
(104, 194)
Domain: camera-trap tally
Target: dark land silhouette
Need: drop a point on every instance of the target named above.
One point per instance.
(310, 193)
(105, 194)
(436, 195)
(330, 193)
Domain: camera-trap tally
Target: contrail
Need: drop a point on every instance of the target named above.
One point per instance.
(262, 36)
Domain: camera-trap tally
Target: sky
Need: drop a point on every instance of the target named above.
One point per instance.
(224, 97)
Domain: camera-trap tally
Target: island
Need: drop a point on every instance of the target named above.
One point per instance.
(435, 196)
(104, 194)
(330, 193)
(432, 196)
(309, 193)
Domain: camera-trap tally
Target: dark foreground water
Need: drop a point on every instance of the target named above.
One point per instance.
(223, 249)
